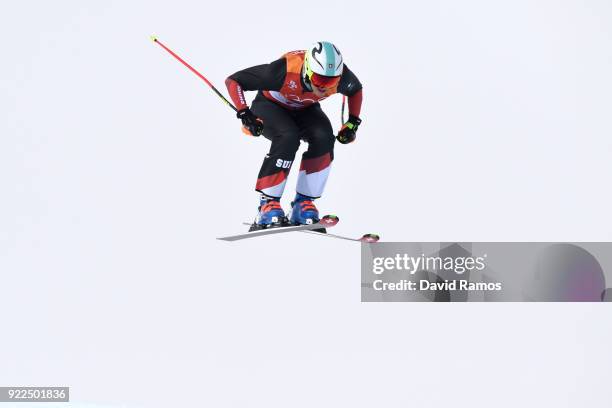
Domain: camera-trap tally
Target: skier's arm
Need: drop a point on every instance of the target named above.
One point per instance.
(268, 77)
(354, 103)
(351, 87)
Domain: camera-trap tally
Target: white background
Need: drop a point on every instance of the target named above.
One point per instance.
(482, 121)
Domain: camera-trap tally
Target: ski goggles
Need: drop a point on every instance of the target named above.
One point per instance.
(322, 81)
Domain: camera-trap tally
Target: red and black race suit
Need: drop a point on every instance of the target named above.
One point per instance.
(291, 112)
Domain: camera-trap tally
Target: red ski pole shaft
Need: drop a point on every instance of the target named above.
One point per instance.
(192, 69)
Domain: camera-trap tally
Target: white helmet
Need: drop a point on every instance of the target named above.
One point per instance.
(324, 59)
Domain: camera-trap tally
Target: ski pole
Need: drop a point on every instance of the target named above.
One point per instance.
(342, 111)
(228, 103)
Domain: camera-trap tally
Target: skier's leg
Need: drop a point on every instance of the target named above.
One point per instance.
(316, 129)
(282, 131)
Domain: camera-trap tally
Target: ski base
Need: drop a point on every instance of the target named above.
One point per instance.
(326, 221)
(367, 238)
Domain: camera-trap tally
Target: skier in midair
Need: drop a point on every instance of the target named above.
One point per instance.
(286, 110)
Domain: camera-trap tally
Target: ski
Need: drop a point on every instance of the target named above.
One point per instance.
(368, 238)
(326, 221)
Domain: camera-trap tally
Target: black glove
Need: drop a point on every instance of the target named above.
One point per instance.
(349, 130)
(251, 124)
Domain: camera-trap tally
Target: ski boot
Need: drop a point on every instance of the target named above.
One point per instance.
(270, 214)
(303, 211)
